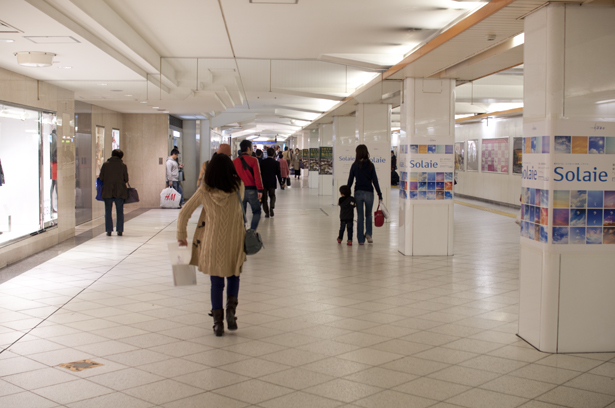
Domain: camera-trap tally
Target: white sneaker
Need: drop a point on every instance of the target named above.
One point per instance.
(369, 239)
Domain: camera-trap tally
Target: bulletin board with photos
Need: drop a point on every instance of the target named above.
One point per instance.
(517, 166)
(494, 158)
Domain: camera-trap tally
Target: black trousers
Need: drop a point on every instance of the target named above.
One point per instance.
(343, 226)
(271, 193)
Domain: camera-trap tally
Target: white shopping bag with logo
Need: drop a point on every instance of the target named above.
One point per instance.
(170, 198)
(183, 273)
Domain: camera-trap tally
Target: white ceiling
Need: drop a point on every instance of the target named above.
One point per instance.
(270, 65)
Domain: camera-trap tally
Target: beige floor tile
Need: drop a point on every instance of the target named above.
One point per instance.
(180, 348)
(572, 397)
(548, 374)
(430, 338)
(415, 366)
(7, 388)
(206, 400)
(432, 389)
(519, 387)
(116, 399)
(336, 367)
(211, 379)
(569, 362)
(606, 369)
(31, 380)
(293, 357)
(361, 339)
(445, 355)
(26, 399)
(163, 391)
(473, 345)
(254, 367)
(402, 347)
(594, 383)
(173, 367)
(493, 364)
(329, 347)
(297, 378)
(343, 390)
(72, 391)
(300, 400)
(370, 356)
(394, 399)
(124, 379)
(381, 377)
(216, 358)
(464, 376)
(253, 391)
(528, 355)
(477, 398)
(538, 404)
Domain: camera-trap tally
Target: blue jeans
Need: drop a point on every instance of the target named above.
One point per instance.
(178, 187)
(364, 214)
(251, 196)
(217, 290)
(119, 209)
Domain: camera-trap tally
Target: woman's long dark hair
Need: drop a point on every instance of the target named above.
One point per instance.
(221, 174)
(362, 155)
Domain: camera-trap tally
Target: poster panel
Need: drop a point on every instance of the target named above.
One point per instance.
(472, 156)
(314, 159)
(460, 156)
(517, 155)
(326, 160)
(494, 158)
(115, 139)
(305, 158)
(430, 172)
(100, 149)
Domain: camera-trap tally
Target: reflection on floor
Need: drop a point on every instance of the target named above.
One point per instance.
(320, 324)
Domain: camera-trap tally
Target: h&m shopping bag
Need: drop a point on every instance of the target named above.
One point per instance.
(170, 198)
(183, 273)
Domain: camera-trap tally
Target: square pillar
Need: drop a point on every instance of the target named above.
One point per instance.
(568, 183)
(344, 145)
(325, 170)
(314, 167)
(426, 164)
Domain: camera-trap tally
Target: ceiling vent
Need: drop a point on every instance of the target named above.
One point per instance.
(52, 39)
(6, 28)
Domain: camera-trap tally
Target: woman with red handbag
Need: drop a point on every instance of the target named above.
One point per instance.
(365, 172)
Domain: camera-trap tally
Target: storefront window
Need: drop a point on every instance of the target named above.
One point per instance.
(100, 148)
(28, 172)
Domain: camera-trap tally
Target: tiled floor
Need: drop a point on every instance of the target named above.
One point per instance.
(321, 324)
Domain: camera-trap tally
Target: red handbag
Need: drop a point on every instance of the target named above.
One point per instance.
(378, 217)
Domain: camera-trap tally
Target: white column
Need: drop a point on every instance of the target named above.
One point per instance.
(344, 145)
(313, 144)
(568, 225)
(426, 166)
(374, 131)
(325, 178)
(206, 152)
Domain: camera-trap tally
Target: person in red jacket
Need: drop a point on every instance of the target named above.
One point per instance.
(250, 173)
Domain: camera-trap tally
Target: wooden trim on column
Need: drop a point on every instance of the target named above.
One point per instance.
(487, 11)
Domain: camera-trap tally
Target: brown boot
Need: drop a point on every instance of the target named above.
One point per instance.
(218, 315)
(231, 308)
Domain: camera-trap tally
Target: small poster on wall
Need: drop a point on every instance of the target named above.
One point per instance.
(494, 158)
(326, 160)
(115, 139)
(460, 156)
(314, 159)
(517, 155)
(472, 157)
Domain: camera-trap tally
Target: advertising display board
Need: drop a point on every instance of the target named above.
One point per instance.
(494, 158)
(472, 157)
(460, 152)
(326, 160)
(115, 139)
(428, 174)
(305, 159)
(314, 159)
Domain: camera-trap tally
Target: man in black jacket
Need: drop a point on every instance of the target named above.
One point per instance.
(270, 169)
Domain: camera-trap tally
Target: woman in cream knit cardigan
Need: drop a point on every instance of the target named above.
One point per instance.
(218, 244)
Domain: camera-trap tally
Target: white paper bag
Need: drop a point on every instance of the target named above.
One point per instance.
(183, 273)
(170, 198)
(385, 210)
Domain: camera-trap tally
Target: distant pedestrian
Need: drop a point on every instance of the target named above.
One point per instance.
(270, 171)
(347, 205)
(365, 172)
(297, 163)
(249, 171)
(114, 175)
(285, 172)
(173, 168)
(218, 243)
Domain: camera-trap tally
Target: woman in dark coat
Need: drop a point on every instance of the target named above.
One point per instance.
(114, 176)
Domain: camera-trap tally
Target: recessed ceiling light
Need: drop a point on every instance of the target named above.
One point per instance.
(102, 84)
(6, 40)
(117, 90)
(154, 107)
(127, 95)
(65, 67)
(143, 101)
